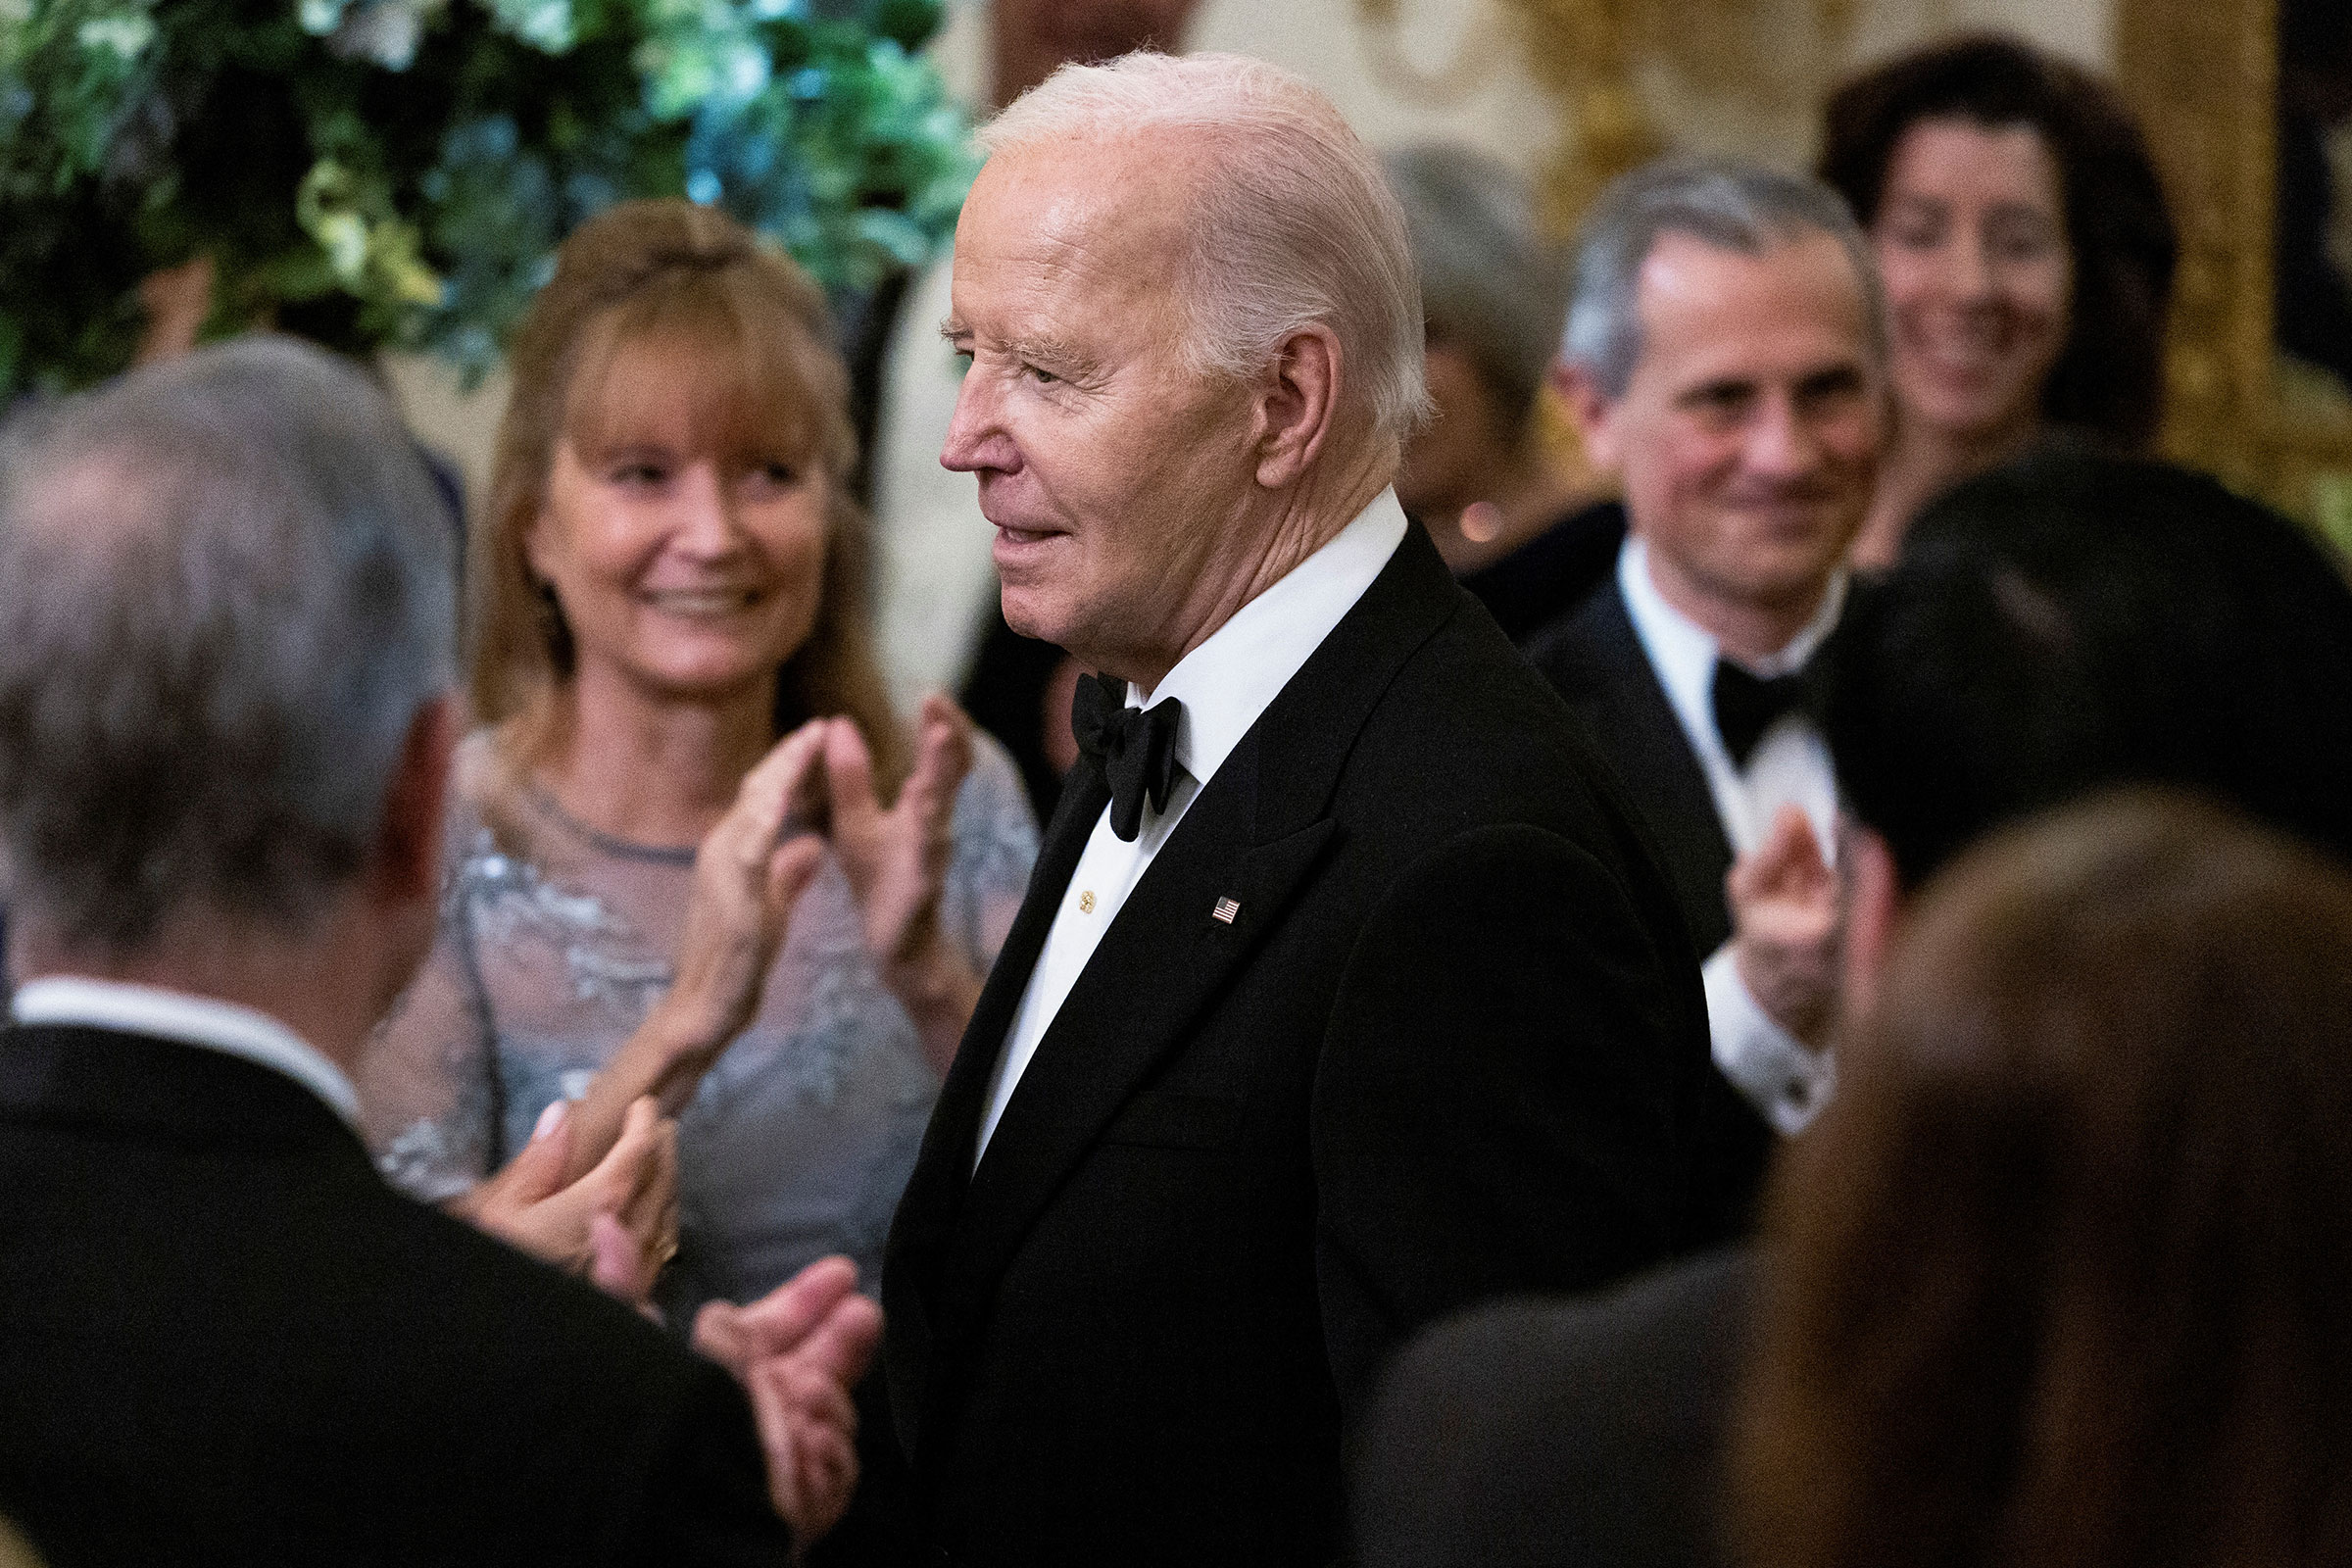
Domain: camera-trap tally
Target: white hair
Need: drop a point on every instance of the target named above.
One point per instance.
(1292, 223)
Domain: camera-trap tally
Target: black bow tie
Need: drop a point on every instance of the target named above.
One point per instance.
(1746, 706)
(1136, 748)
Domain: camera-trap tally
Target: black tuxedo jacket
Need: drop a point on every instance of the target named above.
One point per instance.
(1447, 1048)
(1559, 1434)
(1593, 658)
(224, 1341)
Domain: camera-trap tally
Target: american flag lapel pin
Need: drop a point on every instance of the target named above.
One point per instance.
(1226, 909)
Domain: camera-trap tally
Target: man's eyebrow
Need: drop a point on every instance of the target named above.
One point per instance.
(1051, 351)
(1722, 386)
(951, 328)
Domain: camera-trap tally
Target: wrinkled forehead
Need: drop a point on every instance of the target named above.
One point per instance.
(1093, 219)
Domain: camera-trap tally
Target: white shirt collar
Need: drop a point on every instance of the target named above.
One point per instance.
(1684, 654)
(1229, 680)
(195, 1020)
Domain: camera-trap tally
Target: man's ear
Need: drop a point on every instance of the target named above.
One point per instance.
(1874, 910)
(408, 851)
(1593, 415)
(1297, 405)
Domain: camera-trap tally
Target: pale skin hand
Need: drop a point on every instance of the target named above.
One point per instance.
(797, 1351)
(617, 1224)
(895, 860)
(746, 878)
(1785, 928)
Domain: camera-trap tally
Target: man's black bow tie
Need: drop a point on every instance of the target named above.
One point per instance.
(1746, 706)
(1135, 747)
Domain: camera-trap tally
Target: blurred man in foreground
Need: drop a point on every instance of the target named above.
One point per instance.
(225, 650)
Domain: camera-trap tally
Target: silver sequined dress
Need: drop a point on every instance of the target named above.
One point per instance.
(555, 941)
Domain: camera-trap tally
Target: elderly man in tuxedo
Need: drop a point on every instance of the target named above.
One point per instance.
(225, 638)
(1346, 991)
(1723, 359)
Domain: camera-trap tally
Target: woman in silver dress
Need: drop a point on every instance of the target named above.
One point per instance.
(669, 578)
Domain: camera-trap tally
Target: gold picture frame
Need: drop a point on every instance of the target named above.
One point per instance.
(2203, 76)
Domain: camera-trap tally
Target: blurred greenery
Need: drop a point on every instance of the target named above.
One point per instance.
(398, 172)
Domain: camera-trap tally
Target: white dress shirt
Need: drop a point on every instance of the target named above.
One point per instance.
(1224, 684)
(192, 1020)
(1789, 766)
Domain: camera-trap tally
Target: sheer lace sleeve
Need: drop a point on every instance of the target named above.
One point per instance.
(427, 1082)
(995, 845)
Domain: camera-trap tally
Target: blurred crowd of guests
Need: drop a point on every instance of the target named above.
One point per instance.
(2000, 776)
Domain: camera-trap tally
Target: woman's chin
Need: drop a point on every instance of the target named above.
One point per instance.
(1972, 416)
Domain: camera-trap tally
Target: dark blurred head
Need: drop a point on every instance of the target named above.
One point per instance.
(1031, 39)
(2108, 378)
(2071, 621)
(2062, 1275)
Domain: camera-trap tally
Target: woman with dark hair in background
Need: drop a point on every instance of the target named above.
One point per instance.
(2027, 255)
(2063, 1275)
(1510, 514)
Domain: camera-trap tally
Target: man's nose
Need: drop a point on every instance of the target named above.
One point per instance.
(1782, 443)
(976, 437)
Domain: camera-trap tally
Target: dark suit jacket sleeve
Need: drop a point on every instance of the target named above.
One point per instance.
(1545, 1431)
(707, 1500)
(1495, 1107)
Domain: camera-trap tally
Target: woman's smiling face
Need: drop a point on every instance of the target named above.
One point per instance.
(684, 525)
(1971, 241)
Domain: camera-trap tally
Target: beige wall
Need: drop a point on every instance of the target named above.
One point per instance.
(1503, 112)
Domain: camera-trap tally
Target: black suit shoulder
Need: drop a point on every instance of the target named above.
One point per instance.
(226, 1339)
(1556, 1432)
(1595, 660)
(1519, 986)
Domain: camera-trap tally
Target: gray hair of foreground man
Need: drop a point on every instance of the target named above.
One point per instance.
(1722, 202)
(225, 593)
(1294, 225)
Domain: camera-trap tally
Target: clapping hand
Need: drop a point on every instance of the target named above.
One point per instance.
(1786, 928)
(619, 1224)
(797, 1351)
(746, 878)
(896, 860)
(748, 875)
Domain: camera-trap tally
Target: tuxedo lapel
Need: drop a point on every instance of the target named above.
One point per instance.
(1161, 962)
(934, 1190)
(1254, 837)
(1619, 695)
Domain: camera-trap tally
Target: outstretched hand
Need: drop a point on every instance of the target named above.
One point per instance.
(1786, 928)
(797, 1352)
(896, 860)
(619, 1224)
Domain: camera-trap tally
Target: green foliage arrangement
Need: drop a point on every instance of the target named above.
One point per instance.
(375, 173)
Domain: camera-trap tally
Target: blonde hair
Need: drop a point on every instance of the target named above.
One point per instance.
(1294, 223)
(670, 272)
